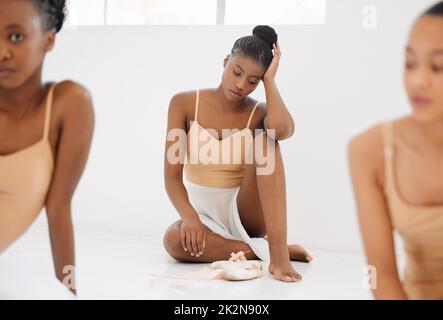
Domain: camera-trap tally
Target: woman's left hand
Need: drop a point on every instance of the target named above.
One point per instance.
(273, 67)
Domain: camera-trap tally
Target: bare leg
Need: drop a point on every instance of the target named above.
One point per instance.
(217, 248)
(262, 208)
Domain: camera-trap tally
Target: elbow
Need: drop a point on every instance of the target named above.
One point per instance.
(280, 129)
(280, 132)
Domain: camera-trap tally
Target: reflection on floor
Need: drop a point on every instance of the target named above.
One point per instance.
(113, 265)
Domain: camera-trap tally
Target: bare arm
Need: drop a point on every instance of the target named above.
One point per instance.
(173, 172)
(366, 165)
(277, 115)
(72, 153)
(193, 233)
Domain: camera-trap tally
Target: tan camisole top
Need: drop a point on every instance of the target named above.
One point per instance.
(421, 229)
(25, 177)
(217, 163)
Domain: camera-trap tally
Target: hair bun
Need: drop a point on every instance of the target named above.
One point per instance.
(266, 33)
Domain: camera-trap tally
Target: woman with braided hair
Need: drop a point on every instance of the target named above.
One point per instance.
(45, 130)
(227, 205)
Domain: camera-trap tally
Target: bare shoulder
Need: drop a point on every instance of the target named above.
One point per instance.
(182, 101)
(261, 107)
(259, 114)
(69, 89)
(367, 142)
(365, 152)
(72, 99)
(181, 109)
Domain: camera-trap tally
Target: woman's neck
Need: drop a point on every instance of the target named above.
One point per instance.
(17, 101)
(431, 132)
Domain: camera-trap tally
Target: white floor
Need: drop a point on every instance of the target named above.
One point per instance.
(113, 265)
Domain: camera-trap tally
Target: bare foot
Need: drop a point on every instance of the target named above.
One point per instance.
(298, 253)
(284, 272)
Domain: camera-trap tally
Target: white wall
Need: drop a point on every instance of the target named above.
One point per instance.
(337, 79)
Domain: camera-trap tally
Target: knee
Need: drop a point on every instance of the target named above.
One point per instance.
(171, 241)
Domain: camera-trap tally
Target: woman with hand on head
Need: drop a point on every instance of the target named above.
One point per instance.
(228, 206)
(397, 175)
(45, 130)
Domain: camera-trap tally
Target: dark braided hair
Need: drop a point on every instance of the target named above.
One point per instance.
(257, 47)
(53, 13)
(436, 10)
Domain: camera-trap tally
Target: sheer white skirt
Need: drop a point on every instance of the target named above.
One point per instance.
(217, 209)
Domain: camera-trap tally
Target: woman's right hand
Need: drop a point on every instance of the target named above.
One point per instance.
(193, 236)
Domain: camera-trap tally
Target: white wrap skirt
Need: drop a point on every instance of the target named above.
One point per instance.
(217, 209)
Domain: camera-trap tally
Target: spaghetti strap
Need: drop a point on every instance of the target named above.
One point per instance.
(196, 104)
(388, 153)
(252, 113)
(388, 138)
(48, 111)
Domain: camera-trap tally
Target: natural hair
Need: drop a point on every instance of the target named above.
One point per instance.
(436, 10)
(53, 13)
(257, 47)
